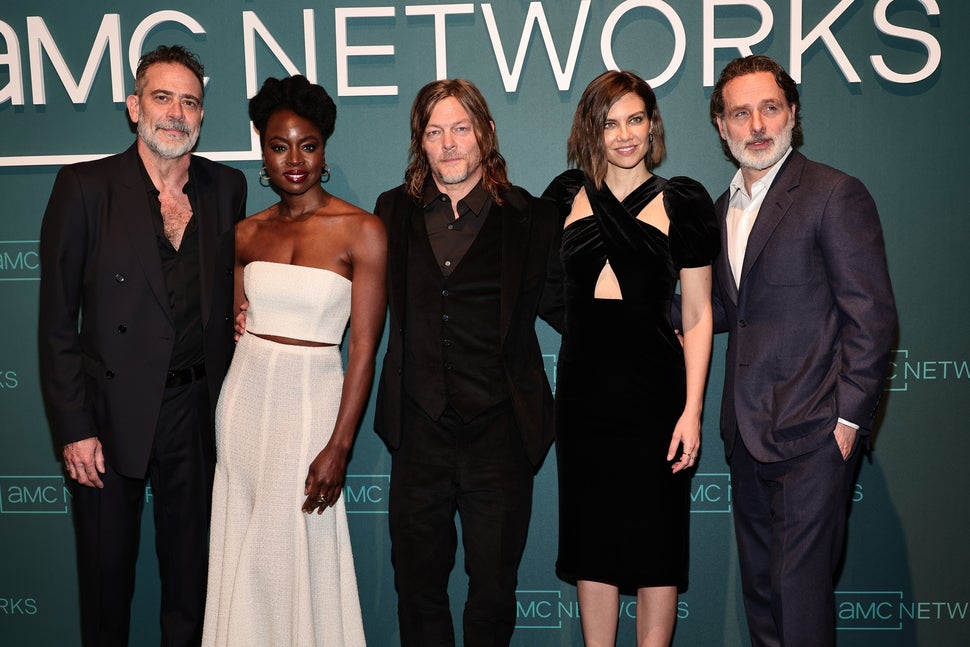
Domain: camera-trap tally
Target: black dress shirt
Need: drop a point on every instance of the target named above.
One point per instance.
(451, 237)
(181, 270)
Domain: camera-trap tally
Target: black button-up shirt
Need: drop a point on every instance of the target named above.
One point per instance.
(451, 237)
(181, 271)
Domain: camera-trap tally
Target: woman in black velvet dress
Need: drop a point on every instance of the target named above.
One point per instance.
(628, 394)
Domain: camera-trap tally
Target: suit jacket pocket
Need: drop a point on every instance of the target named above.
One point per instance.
(803, 396)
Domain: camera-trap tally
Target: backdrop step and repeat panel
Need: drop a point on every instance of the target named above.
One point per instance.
(885, 98)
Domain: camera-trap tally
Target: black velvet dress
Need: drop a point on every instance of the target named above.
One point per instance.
(621, 385)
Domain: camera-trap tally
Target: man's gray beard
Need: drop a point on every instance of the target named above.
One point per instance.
(757, 162)
(166, 150)
(456, 178)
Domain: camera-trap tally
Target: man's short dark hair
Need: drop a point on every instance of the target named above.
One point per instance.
(168, 54)
(751, 65)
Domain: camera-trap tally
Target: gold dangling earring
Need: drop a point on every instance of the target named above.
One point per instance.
(264, 177)
(325, 174)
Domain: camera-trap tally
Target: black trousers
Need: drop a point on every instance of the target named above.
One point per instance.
(108, 521)
(480, 470)
(790, 520)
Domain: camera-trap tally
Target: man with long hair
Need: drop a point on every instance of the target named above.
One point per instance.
(463, 403)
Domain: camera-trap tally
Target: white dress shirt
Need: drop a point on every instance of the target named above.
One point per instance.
(743, 210)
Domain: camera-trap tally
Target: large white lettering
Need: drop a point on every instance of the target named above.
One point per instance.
(40, 41)
(742, 44)
(252, 26)
(151, 22)
(821, 31)
(680, 37)
(440, 40)
(536, 16)
(934, 54)
(511, 59)
(14, 90)
(345, 51)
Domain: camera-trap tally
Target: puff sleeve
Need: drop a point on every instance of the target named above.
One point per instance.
(563, 189)
(694, 237)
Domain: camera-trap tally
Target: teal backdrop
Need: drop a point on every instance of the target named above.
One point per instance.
(884, 95)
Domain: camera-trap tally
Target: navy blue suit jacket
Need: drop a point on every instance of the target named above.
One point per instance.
(813, 321)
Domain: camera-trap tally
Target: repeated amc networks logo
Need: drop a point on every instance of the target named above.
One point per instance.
(548, 610)
(855, 610)
(18, 606)
(19, 260)
(890, 611)
(8, 379)
(364, 494)
(906, 370)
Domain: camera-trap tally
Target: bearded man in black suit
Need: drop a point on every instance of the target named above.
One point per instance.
(135, 336)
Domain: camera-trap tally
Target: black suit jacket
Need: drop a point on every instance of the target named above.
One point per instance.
(531, 285)
(813, 322)
(100, 267)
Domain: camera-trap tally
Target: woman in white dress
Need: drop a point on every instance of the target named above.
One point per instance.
(281, 570)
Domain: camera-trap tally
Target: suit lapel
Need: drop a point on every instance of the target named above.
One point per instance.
(722, 263)
(397, 261)
(515, 224)
(136, 220)
(776, 204)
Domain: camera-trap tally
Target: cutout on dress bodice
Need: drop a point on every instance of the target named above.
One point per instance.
(653, 214)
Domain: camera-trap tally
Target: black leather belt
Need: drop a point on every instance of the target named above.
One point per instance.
(185, 376)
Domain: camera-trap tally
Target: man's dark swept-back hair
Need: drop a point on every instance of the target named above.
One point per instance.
(751, 65)
(168, 54)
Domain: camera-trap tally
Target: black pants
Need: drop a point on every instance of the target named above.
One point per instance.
(108, 521)
(480, 470)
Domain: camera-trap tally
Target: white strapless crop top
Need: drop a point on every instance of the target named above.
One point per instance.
(296, 301)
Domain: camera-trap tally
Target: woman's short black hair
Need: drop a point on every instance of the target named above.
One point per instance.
(295, 93)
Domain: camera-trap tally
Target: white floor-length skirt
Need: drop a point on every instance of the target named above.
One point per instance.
(277, 576)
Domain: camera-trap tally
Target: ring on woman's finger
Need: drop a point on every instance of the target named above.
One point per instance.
(322, 498)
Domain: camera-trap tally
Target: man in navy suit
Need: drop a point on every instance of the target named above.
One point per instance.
(803, 290)
(135, 336)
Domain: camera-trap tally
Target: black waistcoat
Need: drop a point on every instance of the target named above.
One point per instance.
(453, 354)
